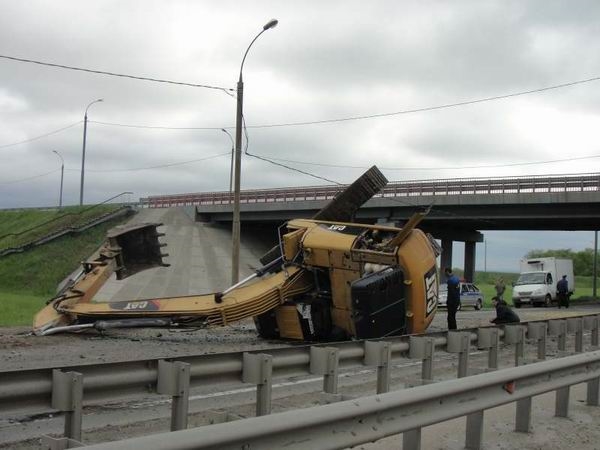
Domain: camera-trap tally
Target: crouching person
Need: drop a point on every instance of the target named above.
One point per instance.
(504, 313)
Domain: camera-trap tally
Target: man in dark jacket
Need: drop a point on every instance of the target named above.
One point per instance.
(562, 287)
(453, 299)
(504, 314)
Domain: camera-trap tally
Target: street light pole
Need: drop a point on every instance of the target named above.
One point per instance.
(232, 156)
(235, 258)
(83, 151)
(594, 269)
(62, 173)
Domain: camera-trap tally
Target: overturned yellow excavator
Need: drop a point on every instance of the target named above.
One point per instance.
(325, 280)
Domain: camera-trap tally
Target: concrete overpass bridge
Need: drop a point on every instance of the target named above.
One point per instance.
(460, 208)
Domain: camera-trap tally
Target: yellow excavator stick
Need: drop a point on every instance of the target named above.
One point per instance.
(242, 302)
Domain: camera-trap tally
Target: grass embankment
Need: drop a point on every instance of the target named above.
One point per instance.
(20, 227)
(30, 278)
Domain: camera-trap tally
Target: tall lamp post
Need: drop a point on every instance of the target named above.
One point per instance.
(62, 173)
(235, 258)
(83, 151)
(232, 156)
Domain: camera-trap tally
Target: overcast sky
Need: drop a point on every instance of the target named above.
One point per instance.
(325, 60)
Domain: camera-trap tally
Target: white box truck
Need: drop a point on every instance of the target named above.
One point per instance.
(537, 280)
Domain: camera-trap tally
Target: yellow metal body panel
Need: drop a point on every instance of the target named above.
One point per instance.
(94, 280)
(420, 272)
(288, 322)
(343, 319)
(342, 299)
(291, 244)
(324, 247)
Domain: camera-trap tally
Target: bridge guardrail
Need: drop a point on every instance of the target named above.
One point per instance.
(457, 186)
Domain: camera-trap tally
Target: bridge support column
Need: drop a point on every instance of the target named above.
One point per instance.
(470, 261)
(446, 256)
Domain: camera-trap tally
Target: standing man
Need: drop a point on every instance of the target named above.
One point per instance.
(562, 287)
(500, 288)
(453, 299)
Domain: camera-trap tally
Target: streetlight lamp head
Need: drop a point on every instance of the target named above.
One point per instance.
(271, 24)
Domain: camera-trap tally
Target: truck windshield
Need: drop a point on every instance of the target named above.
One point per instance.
(531, 278)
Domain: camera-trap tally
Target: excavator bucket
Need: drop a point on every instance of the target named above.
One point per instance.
(138, 248)
(128, 249)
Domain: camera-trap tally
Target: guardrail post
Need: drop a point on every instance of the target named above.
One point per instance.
(174, 380)
(459, 342)
(422, 348)
(575, 325)
(411, 440)
(325, 361)
(515, 334)
(51, 443)
(537, 331)
(379, 354)
(558, 328)
(593, 392)
(523, 416)
(562, 402)
(489, 338)
(258, 369)
(474, 432)
(591, 323)
(67, 396)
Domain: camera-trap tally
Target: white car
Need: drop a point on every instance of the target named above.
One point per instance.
(470, 295)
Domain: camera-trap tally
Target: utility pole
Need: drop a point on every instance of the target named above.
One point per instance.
(235, 257)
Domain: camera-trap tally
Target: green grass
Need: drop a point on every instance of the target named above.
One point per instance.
(39, 270)
(22, 226)
(19, 309)
(30, 278)
(583, 290)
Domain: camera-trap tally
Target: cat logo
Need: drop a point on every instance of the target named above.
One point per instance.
(431, 291)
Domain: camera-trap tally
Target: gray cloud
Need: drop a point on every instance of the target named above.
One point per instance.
(325, 60)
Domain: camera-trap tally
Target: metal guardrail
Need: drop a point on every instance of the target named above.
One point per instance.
(358, 421)
(456, 186)
(12, 248)
(72, 222)
(66, 388)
